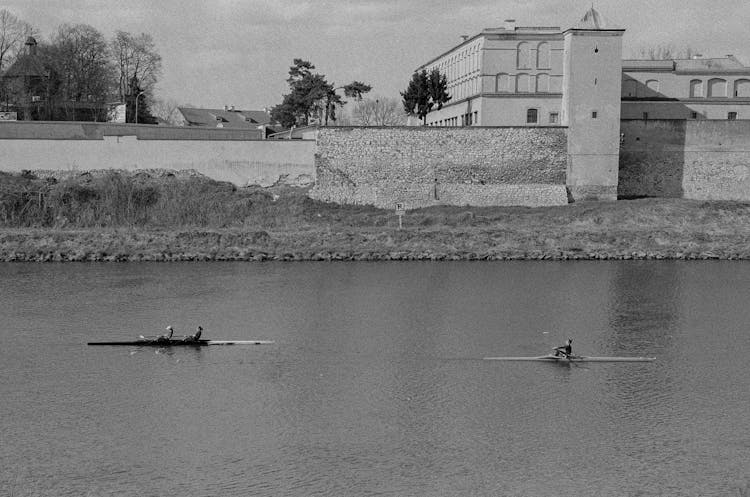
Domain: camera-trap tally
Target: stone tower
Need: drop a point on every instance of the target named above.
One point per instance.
(592, 77)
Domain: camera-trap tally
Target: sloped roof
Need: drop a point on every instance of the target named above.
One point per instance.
(227, 118)
(593, 21)
(729, 64)
(647, 65)
(26, 66)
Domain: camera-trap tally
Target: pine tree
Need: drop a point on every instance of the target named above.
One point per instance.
(424, 92)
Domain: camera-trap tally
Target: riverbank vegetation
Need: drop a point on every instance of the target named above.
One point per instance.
(165, 216)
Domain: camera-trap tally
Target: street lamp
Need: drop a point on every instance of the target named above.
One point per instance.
(136, 106)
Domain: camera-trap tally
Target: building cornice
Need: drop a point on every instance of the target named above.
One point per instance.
(707, 100)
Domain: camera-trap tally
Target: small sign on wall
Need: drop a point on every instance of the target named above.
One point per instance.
(8, 116)
(400, 211)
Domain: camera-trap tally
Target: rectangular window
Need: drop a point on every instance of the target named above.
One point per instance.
(645, 116)
(693, 115)
(476, 117)
(531, 116)
(553, 117)
(732, 116)
(593, 115)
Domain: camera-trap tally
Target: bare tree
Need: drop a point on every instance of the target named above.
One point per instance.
(135, 57)
(80, 56)
(379, 112)
(665, 52)
(13, 33)
(166, 109)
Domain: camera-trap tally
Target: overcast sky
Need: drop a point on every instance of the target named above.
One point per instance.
(238, 52)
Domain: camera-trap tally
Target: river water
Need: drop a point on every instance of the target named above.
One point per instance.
(375, 384)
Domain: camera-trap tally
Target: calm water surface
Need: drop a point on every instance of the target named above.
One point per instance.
(376, 383)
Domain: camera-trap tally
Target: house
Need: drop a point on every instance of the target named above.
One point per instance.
(229, 118)
(25, 85)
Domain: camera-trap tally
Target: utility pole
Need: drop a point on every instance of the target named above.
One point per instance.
(136, 105)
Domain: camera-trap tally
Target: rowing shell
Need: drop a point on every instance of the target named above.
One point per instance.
(574, 358)
(184, 343)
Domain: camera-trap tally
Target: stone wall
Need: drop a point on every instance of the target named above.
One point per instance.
(702, 159)
(423, 166)
(225, 155)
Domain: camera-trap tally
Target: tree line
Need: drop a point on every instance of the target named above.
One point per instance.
(76, 73)
(313, 100)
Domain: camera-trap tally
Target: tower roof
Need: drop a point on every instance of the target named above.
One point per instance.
(593, 21)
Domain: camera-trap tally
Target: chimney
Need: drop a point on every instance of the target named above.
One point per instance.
(232, 108)
(510, 25)
(226, 107)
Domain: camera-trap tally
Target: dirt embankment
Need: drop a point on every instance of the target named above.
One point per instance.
(158, 216)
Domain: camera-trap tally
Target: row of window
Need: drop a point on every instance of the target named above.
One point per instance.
(457, 65)
(532, 117)
(527, 83)
(731, 116)
(467, 60)
(464, 120)
(714, 87)
(717, 87)
(466, 88)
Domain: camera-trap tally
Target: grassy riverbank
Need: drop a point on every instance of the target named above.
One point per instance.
(161, 217)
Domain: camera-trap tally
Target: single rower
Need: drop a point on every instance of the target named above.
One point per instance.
(564, 350)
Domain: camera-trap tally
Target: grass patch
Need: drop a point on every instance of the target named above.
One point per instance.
(162, 216)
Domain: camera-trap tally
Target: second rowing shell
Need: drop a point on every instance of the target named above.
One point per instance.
(552, 358)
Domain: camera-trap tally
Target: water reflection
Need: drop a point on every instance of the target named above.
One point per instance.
(644, 304)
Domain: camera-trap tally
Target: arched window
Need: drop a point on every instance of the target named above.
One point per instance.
(696, 88)
(652, 87)
(742, 88)
(543, 56)
(503, 83)
(628, 87)
(523, 83)
(542, 83)
(523, 55)
(717, 87)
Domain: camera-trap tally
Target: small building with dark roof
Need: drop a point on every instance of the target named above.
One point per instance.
(228, 118)
(25, 85)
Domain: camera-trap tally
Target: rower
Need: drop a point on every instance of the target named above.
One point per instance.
(167, 337)
(196, 336)
(564, 350)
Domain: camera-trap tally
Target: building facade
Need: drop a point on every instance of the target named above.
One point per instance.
(504, 76)
(516, 76)
(544, 76)
(697, 88)
(229, 118)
